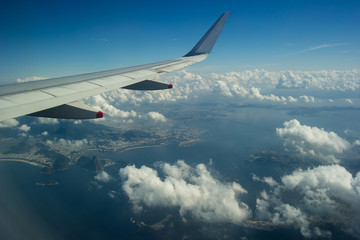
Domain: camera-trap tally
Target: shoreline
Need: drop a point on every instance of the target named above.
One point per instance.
(22, 161)
(144, 146)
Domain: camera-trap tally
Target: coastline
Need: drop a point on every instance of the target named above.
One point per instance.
(144, 146)
(22, 161)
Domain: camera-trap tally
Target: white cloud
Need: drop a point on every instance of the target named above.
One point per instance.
(312, 141)
(292, 99)
(99, 102)
(112, 194)
(76, 143)
(307, 99)
(157, 117)
(24, 128)
(255, 93)
(193, 190)
(47, 120)
(251, 93)
(68, 143)
(325, 192)
(107, 102)
(9, 123)
(103, 177)
(29, 79)
(325, 79)
(268, 180)
(356, 143)
(45, 133)
(222, 87)
(349, 101)
(250, 84)
(22, 134)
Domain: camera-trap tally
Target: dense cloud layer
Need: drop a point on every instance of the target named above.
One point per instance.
(193, 190)
(245, 84)
(340, 80)
(248, 85)
(312, 141)
(325, 79)
(325, 193)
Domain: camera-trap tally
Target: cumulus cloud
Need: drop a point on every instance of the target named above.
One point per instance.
(68, 143)
(24, 128)
(157, 117)
(107, 102)
(9, 123)
(255, 93)
(253, 85)
(99, 102)
(305, 198)
(223, 88)
(292, 99)
(194, 190)
(307, 98)
(349, 101)
(185, 84)
(325, 79)
(47, 120)
(356, 143)
(251, 93)
(268, 180)
(103, 177)
(312, 141)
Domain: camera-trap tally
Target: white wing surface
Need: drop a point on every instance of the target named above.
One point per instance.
(59, 97)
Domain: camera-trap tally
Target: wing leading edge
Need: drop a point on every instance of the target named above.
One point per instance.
(59, 97)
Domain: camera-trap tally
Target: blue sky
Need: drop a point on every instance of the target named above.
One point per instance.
(57, 38)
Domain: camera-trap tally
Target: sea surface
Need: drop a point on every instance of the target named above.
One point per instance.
(80, 207)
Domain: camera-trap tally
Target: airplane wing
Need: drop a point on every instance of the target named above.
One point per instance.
(59, 97)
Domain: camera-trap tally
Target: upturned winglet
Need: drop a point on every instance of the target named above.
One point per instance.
(207, 42)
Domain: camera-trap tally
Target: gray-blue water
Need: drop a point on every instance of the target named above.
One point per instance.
(81, 208)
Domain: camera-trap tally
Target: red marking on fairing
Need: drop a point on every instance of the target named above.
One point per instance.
(170, 86)
(100, 114)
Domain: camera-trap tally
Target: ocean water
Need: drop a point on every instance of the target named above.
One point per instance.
(74, 209)
(80, 207)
